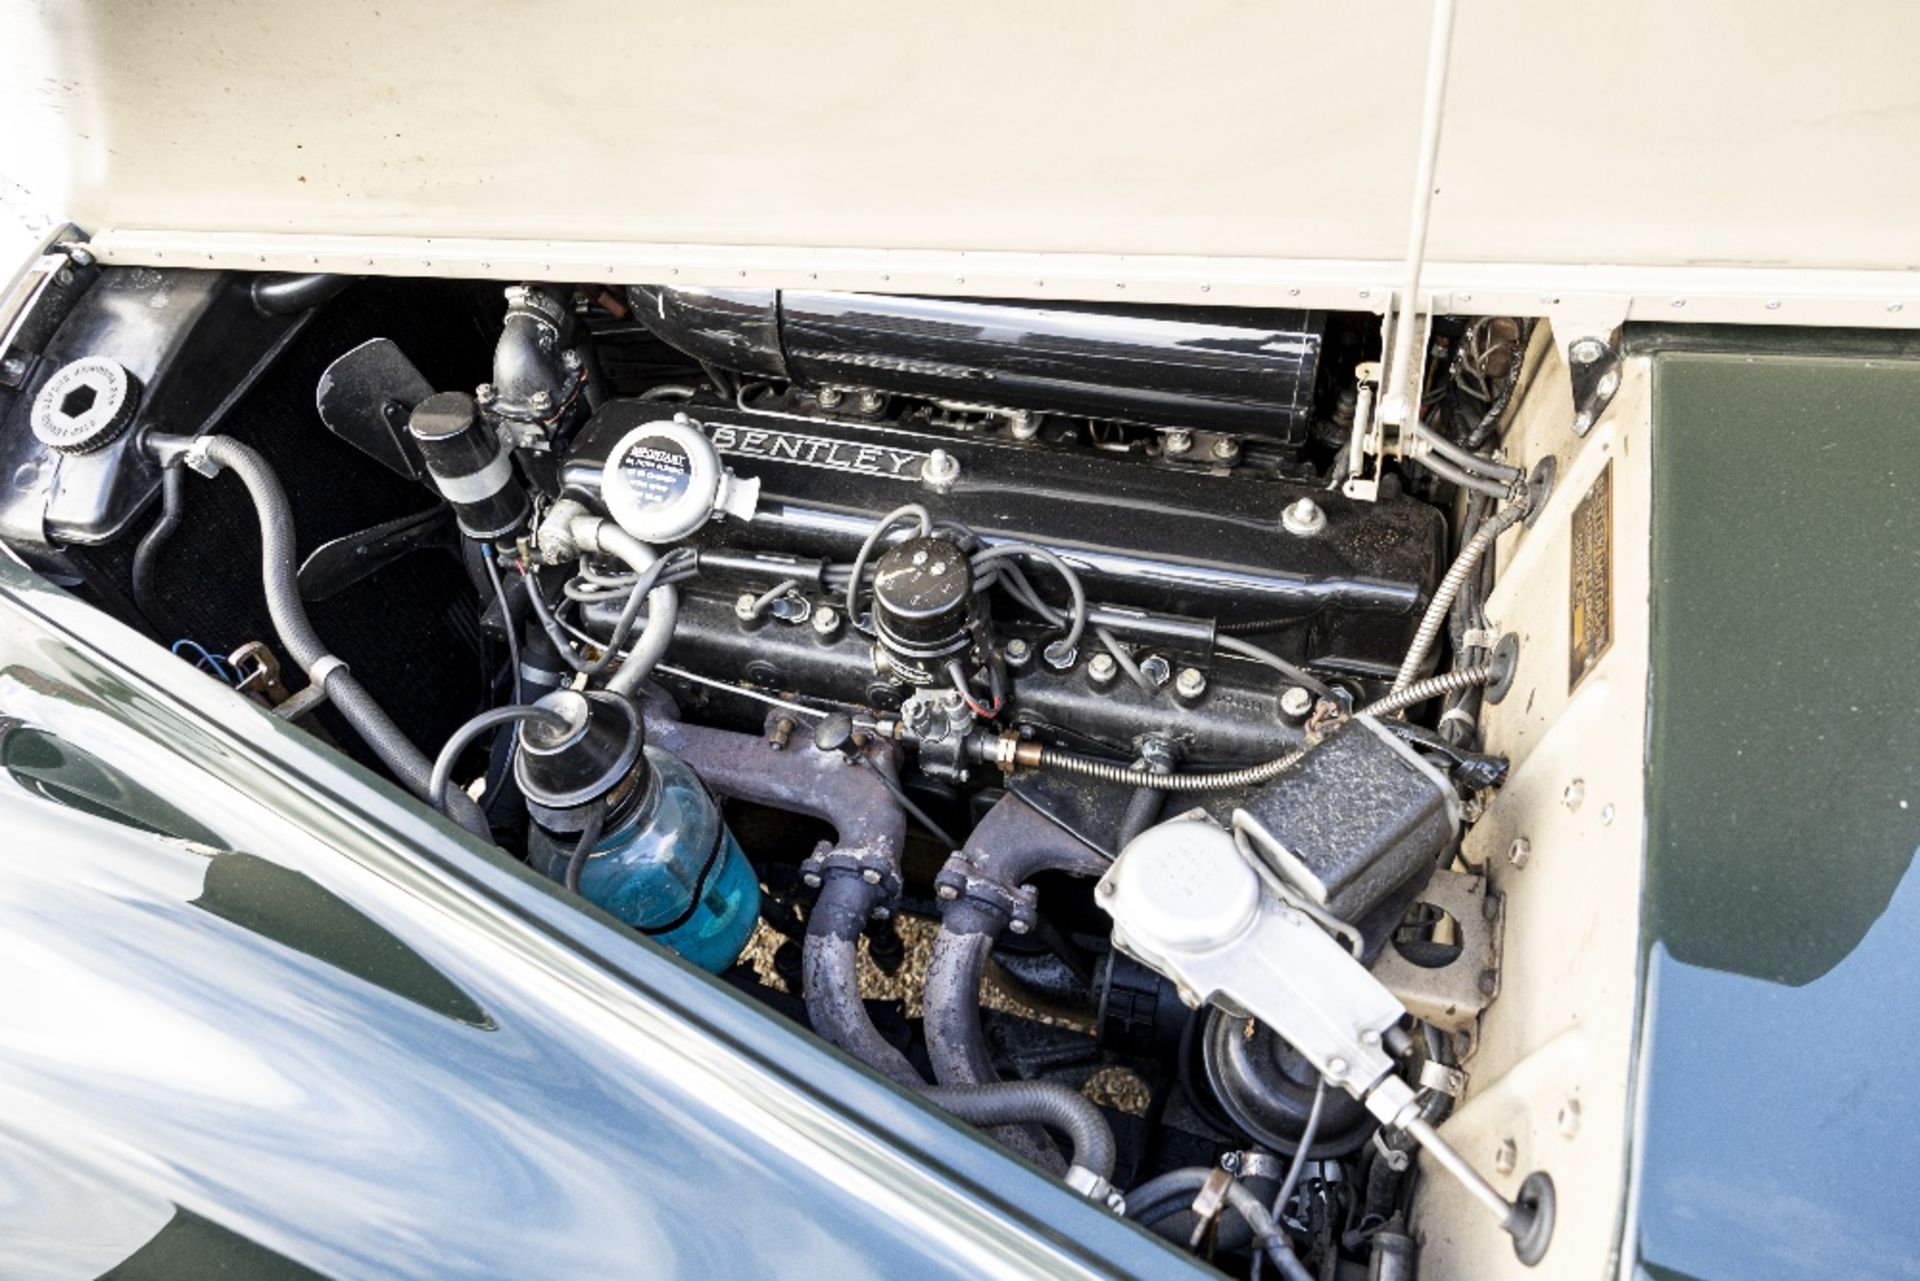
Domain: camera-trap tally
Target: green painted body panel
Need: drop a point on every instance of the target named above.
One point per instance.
(1782, 922)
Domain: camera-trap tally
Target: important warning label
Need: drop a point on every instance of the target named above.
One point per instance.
(657, 470)
(1590, 578)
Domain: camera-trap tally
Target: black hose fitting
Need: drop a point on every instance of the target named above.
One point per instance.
(283, 295)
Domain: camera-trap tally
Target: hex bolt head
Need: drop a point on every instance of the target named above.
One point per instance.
(1101, 669)
(812, 880)
(947, 893)
(1059, 655)
(1018, 926)
(1296, 702)
(743, 607)
(570, 358)
(870, 402)
(484, 393)
(881, 913)
(1017, 652)
(826, 620)
(870, 875)
(540, 400)
(1608, 384)
(1178, 442)
(1024, 425)
(1520, 853)
(941, 469)
(1105, 889)
(1303, 518)
(1156, 669)
(1336, 1067)
(1191, 683)
(1587, 350)
(1224, 448)
(831, 396)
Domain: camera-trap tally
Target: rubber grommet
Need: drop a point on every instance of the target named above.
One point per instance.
(1532, 1223)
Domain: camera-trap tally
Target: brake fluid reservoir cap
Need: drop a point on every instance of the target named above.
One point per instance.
(663, 480)
(1182, 885)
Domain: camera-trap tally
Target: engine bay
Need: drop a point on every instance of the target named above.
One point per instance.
(1023, 698)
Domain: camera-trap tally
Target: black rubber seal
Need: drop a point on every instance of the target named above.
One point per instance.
(1532, 1221)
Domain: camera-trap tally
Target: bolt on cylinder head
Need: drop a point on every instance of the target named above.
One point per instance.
(1296, 702)
(1303, 518)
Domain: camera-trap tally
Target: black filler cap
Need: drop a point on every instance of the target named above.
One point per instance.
(561, 768)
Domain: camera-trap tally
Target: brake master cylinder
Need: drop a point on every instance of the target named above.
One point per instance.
(1245, 928)
(664, 861)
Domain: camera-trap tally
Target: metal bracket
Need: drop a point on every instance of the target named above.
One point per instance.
(1585, 329)
(1593, 368)
(1452, 996)
(259, 672)
(1370, 447)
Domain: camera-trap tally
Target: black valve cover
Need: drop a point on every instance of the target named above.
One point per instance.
(1207, 543)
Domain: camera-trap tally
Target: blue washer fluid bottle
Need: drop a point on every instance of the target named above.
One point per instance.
(668, 866)
(665, 863)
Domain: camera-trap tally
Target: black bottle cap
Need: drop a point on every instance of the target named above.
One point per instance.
(563, 767)
(443, 414)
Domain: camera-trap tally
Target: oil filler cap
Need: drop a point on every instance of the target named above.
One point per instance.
(663, 480)
(85, 405)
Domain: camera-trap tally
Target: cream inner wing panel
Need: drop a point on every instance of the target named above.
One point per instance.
(1551, 1073)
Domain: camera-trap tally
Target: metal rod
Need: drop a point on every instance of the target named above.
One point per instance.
(1395, 404)
(1456, 1165)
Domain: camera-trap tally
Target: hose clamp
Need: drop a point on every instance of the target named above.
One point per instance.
(325, 666)
(1096, 1189)
(195, 456)
(1253, 1165)
(1450, 1081)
